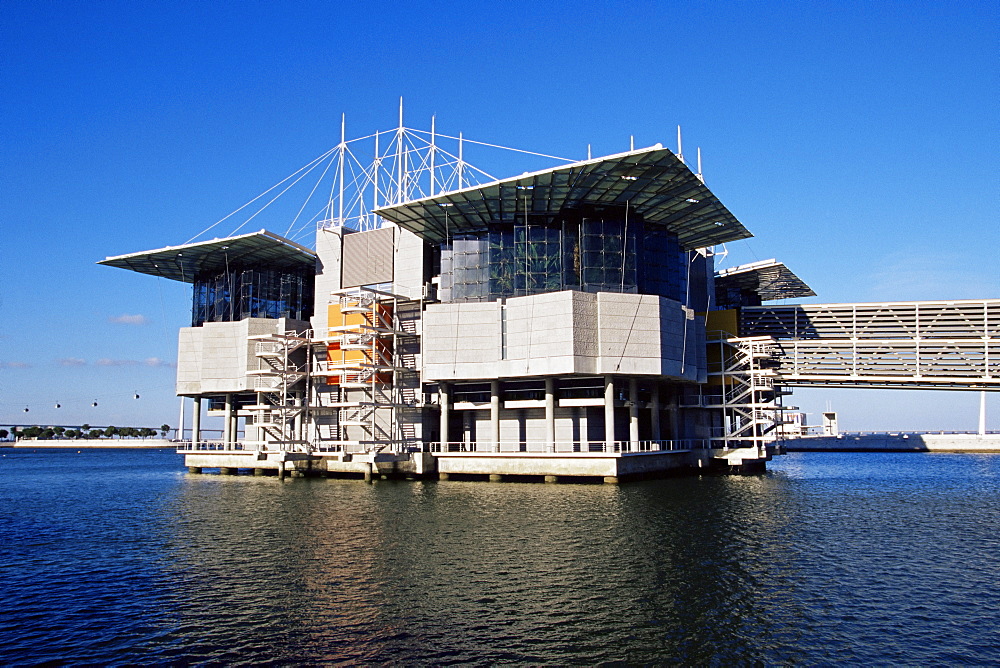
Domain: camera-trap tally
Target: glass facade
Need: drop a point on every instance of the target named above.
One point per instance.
(593, 252)
(233, 295)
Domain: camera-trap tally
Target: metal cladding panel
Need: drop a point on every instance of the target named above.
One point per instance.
(367, 258)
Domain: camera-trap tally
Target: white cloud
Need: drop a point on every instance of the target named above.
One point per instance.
(127, 319)
(149, 361)
(14, 365)
(72, 361)
(104, 361)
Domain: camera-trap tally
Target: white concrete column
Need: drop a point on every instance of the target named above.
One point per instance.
(227, 422)
(495, 413)
(196, 421)
(654, 412)
(180, 421)
(982, 413)
(633, 414)
(550, 413)
(299, 418)
(443, 401)
(609, 413)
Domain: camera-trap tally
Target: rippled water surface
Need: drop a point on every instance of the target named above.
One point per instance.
(122, 557)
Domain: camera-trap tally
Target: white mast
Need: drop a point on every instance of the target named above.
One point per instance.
(461, 161)
(432, 149)
(399, 156)
(343, 149)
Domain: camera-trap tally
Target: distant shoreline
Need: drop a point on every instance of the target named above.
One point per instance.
(70, 444)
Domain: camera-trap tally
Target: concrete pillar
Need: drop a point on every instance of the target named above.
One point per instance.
(982, 413)
(609, 414)
(258, 472)
(443, 401)
(196, 422)
(180, 421)
(234, 431)
(496, 477)
(654, 412)
(297, 420)
(228, 470)
(281, 470)
(551, 478)
(550, 413)
(633, 414)
(495, 414)
(227, 423)
(194, 469)
(368, 471)
(442, 476)
(611, 479)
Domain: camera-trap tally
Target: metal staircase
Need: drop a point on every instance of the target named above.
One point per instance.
(361, 371)
(279, 381)
(743, 388)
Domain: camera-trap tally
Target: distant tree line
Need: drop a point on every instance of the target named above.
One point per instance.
(84, 431)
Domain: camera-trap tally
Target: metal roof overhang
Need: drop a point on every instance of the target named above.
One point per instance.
(183, 263)
(652, 181)
(768, 278)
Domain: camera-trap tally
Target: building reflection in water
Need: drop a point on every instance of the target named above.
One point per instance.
(322, 570)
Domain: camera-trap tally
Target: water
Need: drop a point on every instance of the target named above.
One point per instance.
(111, 557)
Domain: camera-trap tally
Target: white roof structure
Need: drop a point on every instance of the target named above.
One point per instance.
(652, 182)
(183, 263)
(770, 279)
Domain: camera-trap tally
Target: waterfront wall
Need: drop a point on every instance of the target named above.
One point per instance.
(896, 443)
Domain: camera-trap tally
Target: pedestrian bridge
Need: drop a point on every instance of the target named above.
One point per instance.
(920, 345)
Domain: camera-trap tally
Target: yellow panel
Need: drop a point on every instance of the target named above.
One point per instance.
(725, 321)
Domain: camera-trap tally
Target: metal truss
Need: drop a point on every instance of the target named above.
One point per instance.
(357, 176)
(943, 345)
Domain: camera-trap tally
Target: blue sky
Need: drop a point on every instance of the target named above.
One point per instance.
(859, 141)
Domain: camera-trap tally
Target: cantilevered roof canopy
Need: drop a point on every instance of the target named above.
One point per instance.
(653, 181)
(768, 278)
(183, 263)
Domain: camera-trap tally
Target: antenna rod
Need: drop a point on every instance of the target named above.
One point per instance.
(588, 151)
(680, 150)
(631, 142)
(702, 178)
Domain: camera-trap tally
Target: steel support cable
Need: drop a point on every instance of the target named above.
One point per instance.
(308, 165)
(272, 200)
(311, 193)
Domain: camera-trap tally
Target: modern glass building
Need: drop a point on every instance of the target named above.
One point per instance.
(551, 324)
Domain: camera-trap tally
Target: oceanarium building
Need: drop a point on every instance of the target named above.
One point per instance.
(565, 323)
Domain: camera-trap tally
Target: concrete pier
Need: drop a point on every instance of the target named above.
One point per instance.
(550, 467)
